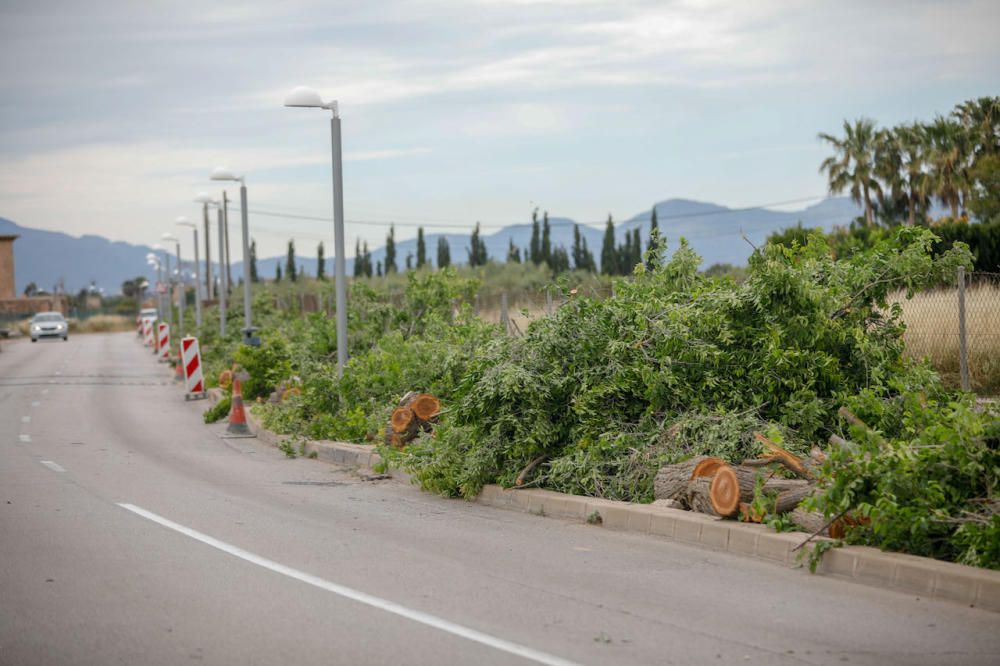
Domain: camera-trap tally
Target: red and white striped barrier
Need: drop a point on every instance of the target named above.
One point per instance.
(148, 337)
(163, 343)
(191, 360)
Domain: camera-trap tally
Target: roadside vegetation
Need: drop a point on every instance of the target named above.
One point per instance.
(645, 367)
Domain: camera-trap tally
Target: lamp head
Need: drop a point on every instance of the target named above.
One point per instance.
(222, 173)
(304, 97)
(183, 222)
(204, 198)
(169, 237)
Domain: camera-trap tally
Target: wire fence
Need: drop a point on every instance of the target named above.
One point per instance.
(957, 329)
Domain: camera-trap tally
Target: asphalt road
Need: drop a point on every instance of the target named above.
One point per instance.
(132, 533)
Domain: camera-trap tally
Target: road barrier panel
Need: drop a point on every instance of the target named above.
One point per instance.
(148, 327)
(191, 360)
(163, 343)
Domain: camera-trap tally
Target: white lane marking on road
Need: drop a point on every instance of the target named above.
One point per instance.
(25, 438)
(355, 595)
(55, 467)
(35, 404)
(25, 419)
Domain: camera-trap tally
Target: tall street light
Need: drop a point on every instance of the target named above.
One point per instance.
(183, 222)
(303, 97)
(225, 220)
(155, 263)
(248, 330)
(180, 276)
(168, 311)
(204, 199)
(223, 289)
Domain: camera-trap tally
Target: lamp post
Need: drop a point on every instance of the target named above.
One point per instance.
(155, 263)
(168, 311)
(303, 97)
(225, 220)
(248, 330)
(223, 289)
(204, 199)
(183, 222)
(180, 278)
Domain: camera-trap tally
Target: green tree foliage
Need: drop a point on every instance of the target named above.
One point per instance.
(653, 246)
(602, 378)
(277, 272)
(609, 253)
(359, 264)
(513, 252)
(409, 261)
(390, 251)
(477, 251)
(852, 166)
(535, 248)
(583, 259)
(290, 269)
(421, 248)
(546, 249)
(320, 262)
(253, 261)
(984, 197)
(443, 253)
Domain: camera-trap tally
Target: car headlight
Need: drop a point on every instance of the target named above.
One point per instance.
(34, 328)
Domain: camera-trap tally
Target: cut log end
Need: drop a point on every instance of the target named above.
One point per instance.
(426, 407)
(724, 493)
(707, 467)
(401, 419)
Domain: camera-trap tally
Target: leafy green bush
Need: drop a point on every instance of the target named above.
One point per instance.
(926, 481)
(218, 411)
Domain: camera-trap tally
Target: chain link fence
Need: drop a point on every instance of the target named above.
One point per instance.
(957, 329)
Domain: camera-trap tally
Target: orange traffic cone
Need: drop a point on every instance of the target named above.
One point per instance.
(179, 367)
(237, 415)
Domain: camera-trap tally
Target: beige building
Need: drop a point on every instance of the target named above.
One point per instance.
(7, 289)
(12, 306)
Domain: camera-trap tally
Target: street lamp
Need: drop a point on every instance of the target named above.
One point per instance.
(169, 310)
(155, 263)
(183, 222)
(180, 305)
(222, 173)
(303, 97)
(204, 198)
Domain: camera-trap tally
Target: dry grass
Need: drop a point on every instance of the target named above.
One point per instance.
(932, 332)
(95, 324)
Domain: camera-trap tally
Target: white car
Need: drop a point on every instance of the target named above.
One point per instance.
(145, 313)
(49, 325)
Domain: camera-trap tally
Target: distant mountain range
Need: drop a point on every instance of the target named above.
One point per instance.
(50, 258)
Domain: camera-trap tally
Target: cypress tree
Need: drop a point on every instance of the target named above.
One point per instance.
(359, 262)
(321, 262)
(277, 272)
(390, 251)
(443, 252)
(636, 250)
(290, 261)
(536, 241)
(654, 241)
(366, 261)
(513, 253)
(578, 258)
(546, 240)
(477, 253)
(409, 261)
(421, 248)
(608, 251)
(378, 269)
(253, 261)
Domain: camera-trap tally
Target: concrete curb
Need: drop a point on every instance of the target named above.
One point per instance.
(908, 574)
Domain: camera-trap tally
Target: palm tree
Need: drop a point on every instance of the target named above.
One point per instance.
(949, 161)
(853, 164)
(913, 147)
(981, 118)
(889, 170)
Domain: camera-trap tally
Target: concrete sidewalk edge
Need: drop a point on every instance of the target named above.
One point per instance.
(909, 574)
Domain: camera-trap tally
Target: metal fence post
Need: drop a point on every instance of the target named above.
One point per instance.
(504, 318)
(963, 358)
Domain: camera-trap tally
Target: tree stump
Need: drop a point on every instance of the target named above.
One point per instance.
(415, 412)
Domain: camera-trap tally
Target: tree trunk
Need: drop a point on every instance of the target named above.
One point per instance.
(733, 485)
(698, 495)
(671, 481)
(869, 218)
(415, 412)
(811, 522)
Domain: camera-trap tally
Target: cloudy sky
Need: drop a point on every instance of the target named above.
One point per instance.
(112, 114)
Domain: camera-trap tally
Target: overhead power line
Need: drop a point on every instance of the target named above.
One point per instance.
(497, 225)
